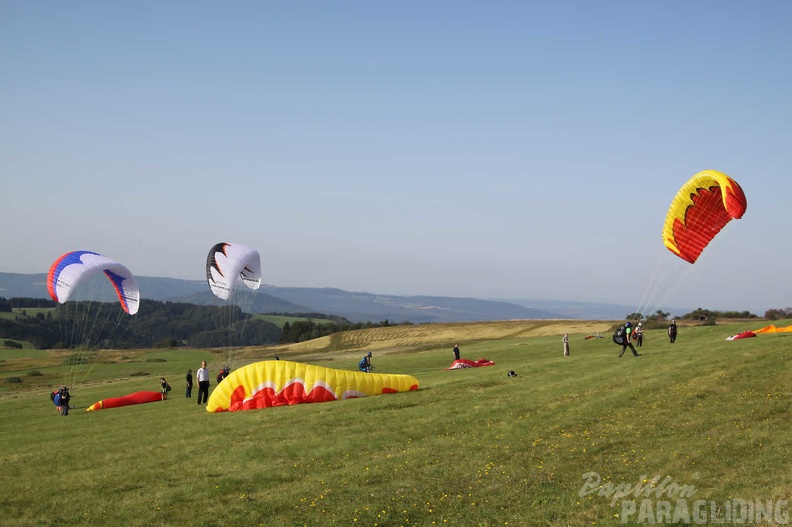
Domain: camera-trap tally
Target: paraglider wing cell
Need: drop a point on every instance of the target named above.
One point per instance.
(701, 208)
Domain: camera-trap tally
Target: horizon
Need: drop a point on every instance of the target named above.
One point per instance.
(534, 303)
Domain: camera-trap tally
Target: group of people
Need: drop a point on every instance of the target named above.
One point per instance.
(624, 336)
(630, 334)
(202, 376)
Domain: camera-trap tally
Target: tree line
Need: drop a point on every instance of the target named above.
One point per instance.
(708, 316)
(303, 330)
(161, 322)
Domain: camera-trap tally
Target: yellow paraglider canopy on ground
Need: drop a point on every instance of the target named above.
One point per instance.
(279, 382)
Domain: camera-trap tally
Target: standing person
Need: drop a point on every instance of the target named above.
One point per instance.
(622, 337)
(565, 340)
(164, 387)
(65, 397)
(365, 363)
(456, 351)
(188, 394)
(639, 335)
(202, 376)
(672, 331)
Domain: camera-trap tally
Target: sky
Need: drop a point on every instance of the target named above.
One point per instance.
(501, 150)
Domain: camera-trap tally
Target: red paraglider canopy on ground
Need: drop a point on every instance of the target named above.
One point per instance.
(743, 335)
(126, 400)
(466, 363)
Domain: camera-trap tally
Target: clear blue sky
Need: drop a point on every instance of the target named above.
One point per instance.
(524, 150)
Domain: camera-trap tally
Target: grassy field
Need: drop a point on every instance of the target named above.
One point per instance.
(29, 311)
(470, 448)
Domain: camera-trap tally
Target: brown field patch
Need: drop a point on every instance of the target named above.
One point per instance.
(412, 337)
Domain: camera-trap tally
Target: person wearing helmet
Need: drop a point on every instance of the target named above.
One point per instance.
(639, 335)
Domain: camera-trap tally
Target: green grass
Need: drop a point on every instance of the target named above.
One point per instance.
(29, 311)
(470, 448)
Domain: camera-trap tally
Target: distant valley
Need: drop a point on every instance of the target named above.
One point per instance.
(354, 306)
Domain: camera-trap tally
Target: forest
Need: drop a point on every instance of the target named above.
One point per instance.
(161, 324)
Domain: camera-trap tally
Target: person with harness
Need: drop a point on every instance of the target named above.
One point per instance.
(365, 363)
(672, 331)
(63, 399)
(622, 337)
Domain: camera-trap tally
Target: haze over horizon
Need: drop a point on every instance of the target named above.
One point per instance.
(498, 151)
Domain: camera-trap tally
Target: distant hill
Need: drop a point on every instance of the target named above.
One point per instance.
(354, 306)
(361, 307)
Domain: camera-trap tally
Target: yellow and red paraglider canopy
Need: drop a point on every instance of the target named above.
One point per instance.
(701, 208)
(279, 382)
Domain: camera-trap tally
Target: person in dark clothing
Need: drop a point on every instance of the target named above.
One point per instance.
(456, 351)
(672, 331)
(626, 342)
(189, 380)
(639, 335)
(223, 374)
(65, 397)
(365, 363)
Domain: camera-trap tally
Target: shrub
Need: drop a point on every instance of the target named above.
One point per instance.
(139, 374)
(75, 360)
(167, 343)
(14, 380)
(35, 373)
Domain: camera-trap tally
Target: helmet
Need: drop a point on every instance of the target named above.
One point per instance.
(628, 324)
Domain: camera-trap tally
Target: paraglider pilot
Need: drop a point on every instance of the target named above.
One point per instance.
(65, 397)
(626, 341)
(365, 363)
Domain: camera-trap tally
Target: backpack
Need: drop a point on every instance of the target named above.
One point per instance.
(362, 364)
(618, 335)
(167, 387)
